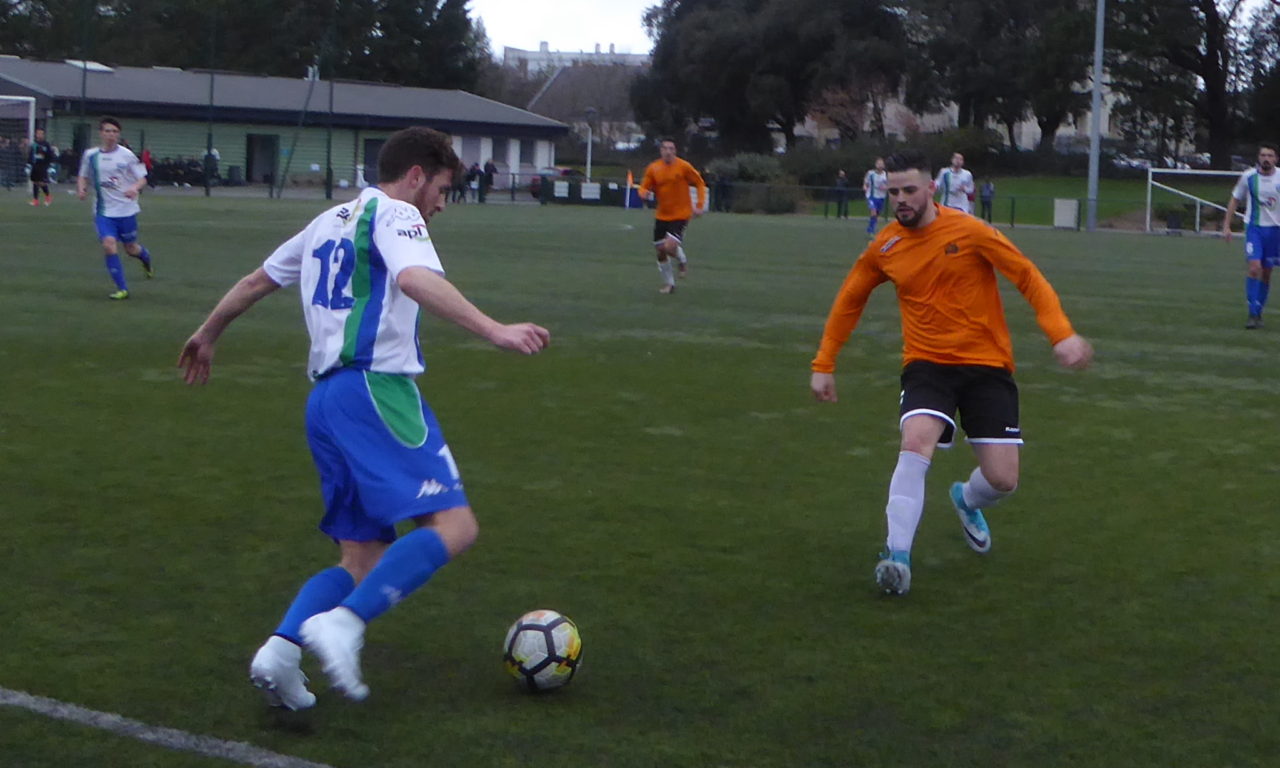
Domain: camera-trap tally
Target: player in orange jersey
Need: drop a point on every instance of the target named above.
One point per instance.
(957, 354)
(668, 179)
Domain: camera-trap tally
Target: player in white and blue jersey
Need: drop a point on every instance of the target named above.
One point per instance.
(1259, 189)
(875, 185)
(365, 269)
(117, 177)
(955, 184)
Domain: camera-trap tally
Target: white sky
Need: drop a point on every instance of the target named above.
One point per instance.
(566, 25)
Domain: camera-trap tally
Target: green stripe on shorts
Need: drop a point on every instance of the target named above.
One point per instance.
(399, 405)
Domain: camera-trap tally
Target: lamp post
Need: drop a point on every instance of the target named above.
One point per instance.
(591, 116)
(1095, 118)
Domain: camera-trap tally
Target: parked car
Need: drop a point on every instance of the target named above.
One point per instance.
(535, 183)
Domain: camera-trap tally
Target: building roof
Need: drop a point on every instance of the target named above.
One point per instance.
(168, 92)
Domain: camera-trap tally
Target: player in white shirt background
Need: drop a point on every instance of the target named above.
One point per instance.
(117, 177)
(955, 184)
(364, 269)
(875, 185)
(1259, 189)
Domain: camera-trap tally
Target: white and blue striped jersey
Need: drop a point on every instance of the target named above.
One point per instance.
(110, 174)
(1261, 196)
(955, 187)
(876, 183)
(347, 261)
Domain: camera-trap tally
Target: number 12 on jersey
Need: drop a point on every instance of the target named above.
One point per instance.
(343, 254)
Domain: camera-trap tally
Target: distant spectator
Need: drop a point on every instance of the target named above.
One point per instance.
(723, 194)
(987, 196)
(150, 164)
(459, 188)
(486, 178)
(473, 180)
(841, 192)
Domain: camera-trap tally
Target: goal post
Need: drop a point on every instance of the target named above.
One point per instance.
(17, 123)
(1197, 191)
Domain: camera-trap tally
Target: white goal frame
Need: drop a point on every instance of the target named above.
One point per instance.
(1199, 201)
(31, 112)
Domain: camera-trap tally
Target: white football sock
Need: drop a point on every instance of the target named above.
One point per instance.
(680, 254)
(978, 493)
(668, 276)
(906, 500)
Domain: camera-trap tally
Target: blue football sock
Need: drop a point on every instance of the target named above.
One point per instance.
(117, 272)
(405, 566)
(322, 592)
(1264, 289)
(144, 256)
(1251, 286)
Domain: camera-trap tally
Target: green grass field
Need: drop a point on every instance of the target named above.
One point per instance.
(662, 476)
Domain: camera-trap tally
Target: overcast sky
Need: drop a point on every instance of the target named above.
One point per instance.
(566, 25)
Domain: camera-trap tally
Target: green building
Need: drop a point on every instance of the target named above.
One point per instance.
(262, 124)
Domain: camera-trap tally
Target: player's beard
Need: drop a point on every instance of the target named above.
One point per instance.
(912, 217)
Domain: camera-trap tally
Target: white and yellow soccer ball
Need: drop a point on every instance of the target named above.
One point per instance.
(543, 650)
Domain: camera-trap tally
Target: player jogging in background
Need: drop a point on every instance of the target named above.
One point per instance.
(1259, 189)
(957, 353)
(668, 179)
(955, 185)
(117, 178)
(365, 270)
(873, 187)
(40, 156)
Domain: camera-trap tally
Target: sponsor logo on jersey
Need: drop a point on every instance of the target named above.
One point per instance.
(416, 232)
(432, 487)
(344, 214)
(951, 248)
(892, 242)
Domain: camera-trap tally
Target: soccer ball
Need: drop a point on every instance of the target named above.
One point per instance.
(543, 649)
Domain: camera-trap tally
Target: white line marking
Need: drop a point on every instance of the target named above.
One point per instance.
(171, 738)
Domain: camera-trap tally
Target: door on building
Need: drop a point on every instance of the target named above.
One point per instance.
(262, 153)
(371, 149)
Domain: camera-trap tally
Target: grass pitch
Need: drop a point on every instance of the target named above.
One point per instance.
(660, 475)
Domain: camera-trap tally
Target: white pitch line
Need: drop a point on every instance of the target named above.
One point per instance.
(171, 738)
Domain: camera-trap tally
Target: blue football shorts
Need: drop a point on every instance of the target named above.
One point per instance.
(123, 228)
(1262, 244)
(876, 204)
(380, 454)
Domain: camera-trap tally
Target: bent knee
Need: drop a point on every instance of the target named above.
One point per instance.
(457, 528)
(359, 557)
(1004, 482)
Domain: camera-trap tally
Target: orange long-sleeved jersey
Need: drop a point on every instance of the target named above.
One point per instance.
(671, 185)
(947, 292)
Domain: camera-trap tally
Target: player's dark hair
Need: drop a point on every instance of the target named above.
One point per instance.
(907, 160)
(430, 149)
(1271, 145)
(109, 121)
(665, 139)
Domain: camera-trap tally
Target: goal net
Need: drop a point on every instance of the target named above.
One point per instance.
(1180, 199)
(17, 127)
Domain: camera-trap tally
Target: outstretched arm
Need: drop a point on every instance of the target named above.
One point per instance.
(197, 354)
(439, 297)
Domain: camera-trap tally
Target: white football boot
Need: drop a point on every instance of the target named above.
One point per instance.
(337, 636)
(276, 671)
